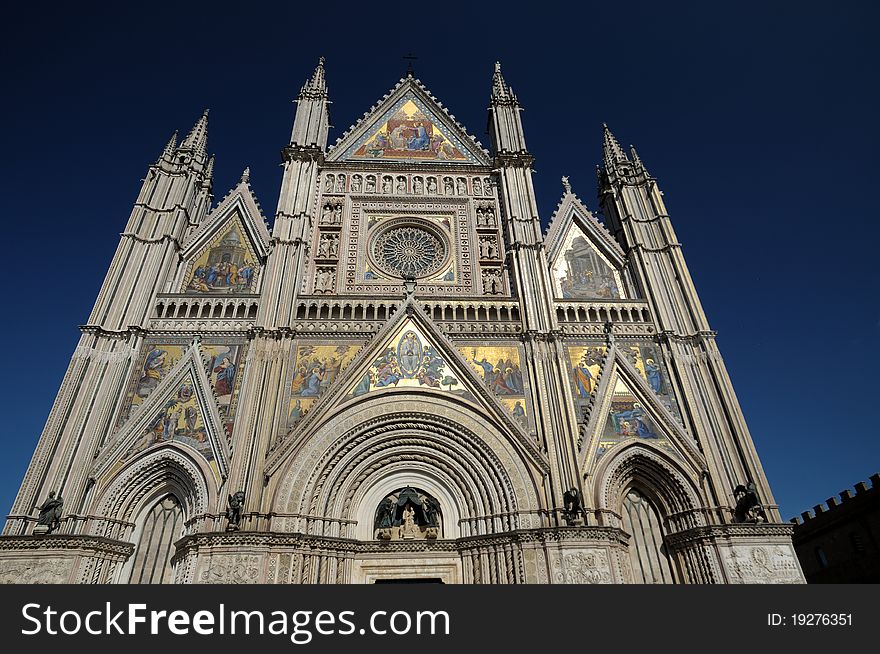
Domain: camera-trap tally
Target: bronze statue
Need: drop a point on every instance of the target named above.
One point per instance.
(573, 513)
(748, 505)
(50, 514)
(431, 508)
(233, 513)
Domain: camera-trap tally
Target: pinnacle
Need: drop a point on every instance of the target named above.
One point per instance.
(500, 90)
(612, 151)
(197, 139)
(317, 84)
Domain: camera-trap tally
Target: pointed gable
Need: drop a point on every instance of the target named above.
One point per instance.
(623, 406)
(409, 354)
(409, 125)
(226, 253)
(182, 412)
(585, 260)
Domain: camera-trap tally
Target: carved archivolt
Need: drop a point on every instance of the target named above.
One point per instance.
(653, 473)
(343, 469)
(144, 480)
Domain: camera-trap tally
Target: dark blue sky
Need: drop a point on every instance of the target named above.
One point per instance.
(758, 119)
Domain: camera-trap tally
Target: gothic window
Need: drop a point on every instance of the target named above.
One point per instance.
(409, 251)
(408, 514)
(161, 526)
(648, 557)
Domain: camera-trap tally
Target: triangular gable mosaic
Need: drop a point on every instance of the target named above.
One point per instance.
(159, 358)
(628, 418)
(410, 360)
(408, 131)
(182, 410)
(580, 271)
(228, 264)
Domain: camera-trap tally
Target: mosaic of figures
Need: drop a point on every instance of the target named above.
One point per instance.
(337, 184)
(179, 420)
(409, 360)
(315, 368)
(159, 358)
(227, 265)
(582, 273)
(410, 132)
(586, 361)
(499, 368)
(627, 418)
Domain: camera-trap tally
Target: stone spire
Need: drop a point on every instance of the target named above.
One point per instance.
(209, 169)
(312, 121)
(197, 139)
(638, 164)
(171, 146)
(613, 153)
(505, 126)
(501, 93)
(316, 87)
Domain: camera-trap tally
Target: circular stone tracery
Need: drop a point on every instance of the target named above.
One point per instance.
(409, 251)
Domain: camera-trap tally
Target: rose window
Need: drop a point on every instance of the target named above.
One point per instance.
(409, 251)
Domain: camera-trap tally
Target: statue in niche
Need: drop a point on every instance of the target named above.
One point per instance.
(233, 511)
(461, 186)
(337, 214)
(491, 282)
(50, 514)
(401, 185)
(408, 528)
(327, 214)
(487, 186)
(448, 188)
(478, 186)
(328, 183)
(573, 512)
(418, 186)
(386, 185)
(490, 216)
(324, 248)
(432, 186)
(488, 248)
(481, 217)
(325, 279)
(356, 184)
(340, 184)
(371, 184)
(408, 514)
(432, 511)
(748, 505)
(334, 247)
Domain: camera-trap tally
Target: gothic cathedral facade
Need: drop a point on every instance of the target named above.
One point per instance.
(406, 379)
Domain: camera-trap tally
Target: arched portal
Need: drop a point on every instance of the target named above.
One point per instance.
(648, 555)
(373, 449)
(158, 528)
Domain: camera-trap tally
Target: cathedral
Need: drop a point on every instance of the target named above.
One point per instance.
(405, 379)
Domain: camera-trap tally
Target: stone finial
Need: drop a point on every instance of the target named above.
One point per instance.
(566, 184)
(246, 175)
